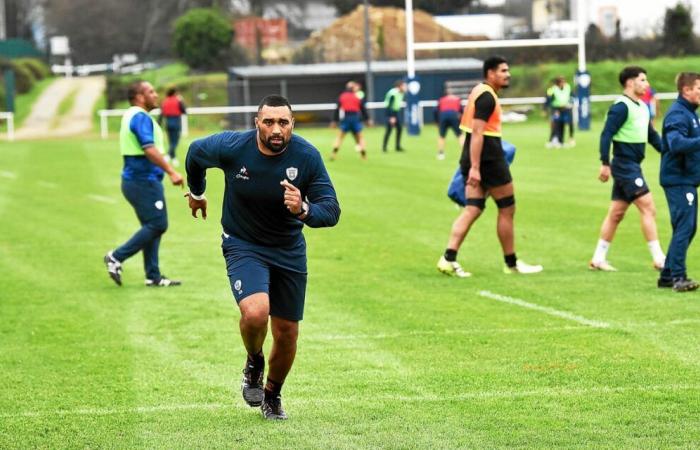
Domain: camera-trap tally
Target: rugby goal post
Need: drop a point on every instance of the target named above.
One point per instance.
(582, 76)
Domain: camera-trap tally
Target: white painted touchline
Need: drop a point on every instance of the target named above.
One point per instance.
(476, 395)
(100, 198)
(7, 174)
(470, 331)
(544, 309)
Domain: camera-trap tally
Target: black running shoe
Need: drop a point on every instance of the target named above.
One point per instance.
(272, 407)
(162, 282)
(684, 284)
(252, 383)
(664, 283)
(114, 268)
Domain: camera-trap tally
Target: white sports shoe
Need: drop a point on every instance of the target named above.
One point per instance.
(659, 265)
(523, 267)
(602, 266)
(451, 268)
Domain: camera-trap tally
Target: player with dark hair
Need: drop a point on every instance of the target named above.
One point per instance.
(447, 115)
(275, 184)
(141, 145)
(680, 177)
(172, 109)
(629, 128)
(353, 111)
(485, 168)
(393, 101)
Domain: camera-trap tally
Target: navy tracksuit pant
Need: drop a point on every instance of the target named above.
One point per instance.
(683, 206)
(148, 200)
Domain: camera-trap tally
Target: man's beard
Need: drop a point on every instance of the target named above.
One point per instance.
(275, 147)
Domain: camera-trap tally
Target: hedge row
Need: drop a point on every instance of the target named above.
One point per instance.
(27, 72)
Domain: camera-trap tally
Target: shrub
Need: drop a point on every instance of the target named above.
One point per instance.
(24, 80)
(202, 37)
(37, 67)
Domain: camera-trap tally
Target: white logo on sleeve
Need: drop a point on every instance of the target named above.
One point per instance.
(690, 197)
(639, 182)
(237, 286)
(292, 173)
(159, 204)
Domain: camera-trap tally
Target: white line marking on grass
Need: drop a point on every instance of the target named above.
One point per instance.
(544, 392)
(102, 199)
(472, 331)
(544, 309)
(6, 174)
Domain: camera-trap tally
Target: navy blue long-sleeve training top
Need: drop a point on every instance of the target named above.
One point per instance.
(625, 155)
(680, 160)
(253, 208)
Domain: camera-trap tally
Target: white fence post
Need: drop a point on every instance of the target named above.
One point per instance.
(103, 124)
(10, 118)
(184, 123)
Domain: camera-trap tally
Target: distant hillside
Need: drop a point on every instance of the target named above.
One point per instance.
(344, 39)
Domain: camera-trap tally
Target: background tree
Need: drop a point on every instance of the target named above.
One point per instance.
(678, 37)
(202, 37)
(98, 30)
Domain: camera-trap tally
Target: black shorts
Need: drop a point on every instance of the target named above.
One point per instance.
(449, 122)
(249, 274)
(494, 172)
(629, 189)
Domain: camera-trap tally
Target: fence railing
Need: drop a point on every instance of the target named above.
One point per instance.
(10, 118)
(250, 109)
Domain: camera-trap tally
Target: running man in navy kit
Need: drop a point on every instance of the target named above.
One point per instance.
(680, 177)
(275, 184)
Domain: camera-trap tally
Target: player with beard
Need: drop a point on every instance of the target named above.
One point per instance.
(485, 168)
(275, 184)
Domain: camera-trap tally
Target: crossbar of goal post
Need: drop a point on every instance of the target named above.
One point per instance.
(10, 118)
(412, 46)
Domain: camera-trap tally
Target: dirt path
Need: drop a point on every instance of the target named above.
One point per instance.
(41, 122)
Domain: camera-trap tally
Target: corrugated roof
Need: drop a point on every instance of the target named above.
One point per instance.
(358, 67)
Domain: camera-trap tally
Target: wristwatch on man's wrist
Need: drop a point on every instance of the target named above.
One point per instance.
(304, 209)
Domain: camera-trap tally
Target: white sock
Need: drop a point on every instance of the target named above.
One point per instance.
(601, 251)
(656, 253)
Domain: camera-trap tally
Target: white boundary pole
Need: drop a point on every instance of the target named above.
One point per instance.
(582, 19)
(10, 118)
(410, 41)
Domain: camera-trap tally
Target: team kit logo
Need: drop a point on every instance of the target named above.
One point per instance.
(292, 173)
(243, 174)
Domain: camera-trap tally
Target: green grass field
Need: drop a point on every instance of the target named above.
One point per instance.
(392, 354)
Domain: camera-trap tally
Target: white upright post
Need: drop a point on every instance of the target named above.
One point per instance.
(103, 124)
(184, 125)
(410, 50)
(582, 21)
(11, 127)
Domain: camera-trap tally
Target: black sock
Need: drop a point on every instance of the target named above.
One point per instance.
(272, 387)
(257, 359)
(510, 259)
(451, 255)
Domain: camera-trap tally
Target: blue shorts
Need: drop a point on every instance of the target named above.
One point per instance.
(351, 123)
(629, 189)
(449, 120)
(251, 273)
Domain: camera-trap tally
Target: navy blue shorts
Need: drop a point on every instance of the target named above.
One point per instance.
(249, 273)
(449, 121)
(629, 189)
(351, 123)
